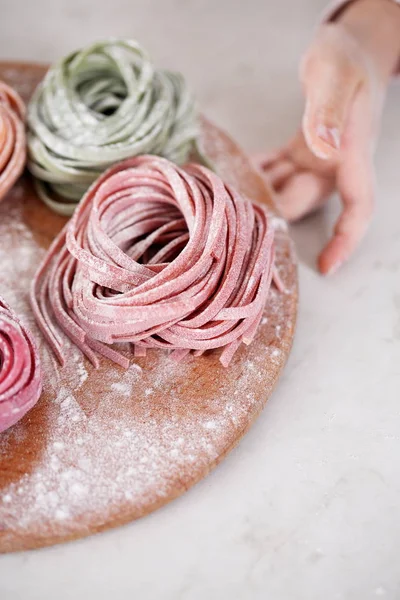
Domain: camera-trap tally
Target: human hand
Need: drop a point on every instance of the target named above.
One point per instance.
(344, 74)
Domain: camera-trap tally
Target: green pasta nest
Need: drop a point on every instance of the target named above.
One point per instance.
(100, 105)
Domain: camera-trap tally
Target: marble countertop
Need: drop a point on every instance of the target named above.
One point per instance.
(307, 507)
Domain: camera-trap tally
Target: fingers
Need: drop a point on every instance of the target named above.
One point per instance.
(357, 197)
(279, 172)
(262, 160)
(331, 74)
(302, 181)
(303, 193)
(354, 220)
(355, 182)
(300, 154)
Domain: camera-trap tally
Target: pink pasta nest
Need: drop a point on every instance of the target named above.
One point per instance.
(157, 256)
(12, 138)
(20, 372)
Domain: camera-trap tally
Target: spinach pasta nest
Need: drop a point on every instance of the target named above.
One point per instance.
(100, 105)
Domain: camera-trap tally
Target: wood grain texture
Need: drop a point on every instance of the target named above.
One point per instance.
(102, 448)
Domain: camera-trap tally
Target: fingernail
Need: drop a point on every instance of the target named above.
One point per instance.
(330, 135)
(335, 267)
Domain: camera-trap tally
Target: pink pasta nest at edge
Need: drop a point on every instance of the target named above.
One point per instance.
(12, 138)
(20, 371)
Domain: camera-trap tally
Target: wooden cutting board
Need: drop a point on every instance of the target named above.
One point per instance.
(102, 448)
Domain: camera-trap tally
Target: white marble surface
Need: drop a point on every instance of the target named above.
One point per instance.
(307, 508)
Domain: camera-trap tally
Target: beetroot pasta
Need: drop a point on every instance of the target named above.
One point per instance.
(12, 138)
(157, 256)
(20, 371)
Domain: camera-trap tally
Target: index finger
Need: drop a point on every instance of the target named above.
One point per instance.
(356, 184)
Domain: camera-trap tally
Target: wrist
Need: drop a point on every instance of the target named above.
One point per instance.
(375, 25)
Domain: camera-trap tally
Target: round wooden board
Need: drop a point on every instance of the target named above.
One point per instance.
(102, 448)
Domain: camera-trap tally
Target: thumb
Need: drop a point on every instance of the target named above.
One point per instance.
(331, 74)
